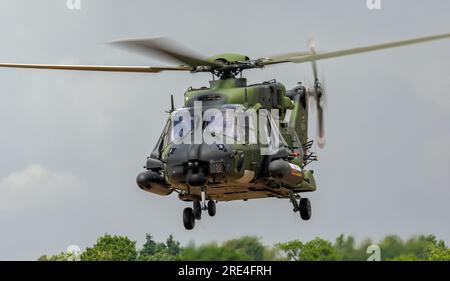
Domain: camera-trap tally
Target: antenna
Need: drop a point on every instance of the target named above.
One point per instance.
(172, 107)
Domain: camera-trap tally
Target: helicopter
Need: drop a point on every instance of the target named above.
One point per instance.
(233, 141)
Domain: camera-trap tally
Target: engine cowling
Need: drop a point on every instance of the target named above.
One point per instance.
(286, 172)
(153, 182)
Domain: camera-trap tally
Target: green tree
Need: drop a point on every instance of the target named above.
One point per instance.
(418, 246)
(173, 246)
(345, 246)
(63, 256)
(43, 258)
(151, 247)
(394, 248)
(314, 250)
(111, 248)
(319, 250)
(404, 257)
(291, 249)
(212, 252)
(155, 251)
(347, 249)
(249, 245)
(438, 252)
(391, 246)
(158, 256)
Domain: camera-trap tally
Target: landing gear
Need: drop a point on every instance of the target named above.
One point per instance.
(197, 209)
(211, 208)
(195, 213)
(188, 218)
(304, 206)
(305, 209)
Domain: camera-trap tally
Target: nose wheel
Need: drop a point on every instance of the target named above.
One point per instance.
(195, 213)
(211, 208)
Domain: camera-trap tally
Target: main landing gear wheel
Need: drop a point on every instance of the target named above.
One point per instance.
(188, 218)
(197, 208)
(211, 208)
(305, 208)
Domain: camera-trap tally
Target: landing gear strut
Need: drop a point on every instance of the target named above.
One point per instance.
(303, 206)
(195, 213)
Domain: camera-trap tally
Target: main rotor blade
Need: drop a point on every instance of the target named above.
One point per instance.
(371, 48)
(284, 56)
(144, 69)
(312, 48)
(280, 58)
(167, 49)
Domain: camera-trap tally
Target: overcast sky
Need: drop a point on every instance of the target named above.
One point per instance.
(71, 143)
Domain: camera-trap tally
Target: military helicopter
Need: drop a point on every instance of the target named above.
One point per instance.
(205, 173)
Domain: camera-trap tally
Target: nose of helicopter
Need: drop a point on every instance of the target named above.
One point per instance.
(191, 163)
(196, 176)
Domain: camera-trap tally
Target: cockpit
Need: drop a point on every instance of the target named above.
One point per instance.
(209, 125)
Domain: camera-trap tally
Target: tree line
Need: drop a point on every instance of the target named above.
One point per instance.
(250, 248)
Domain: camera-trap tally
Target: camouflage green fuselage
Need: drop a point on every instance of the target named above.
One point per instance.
(240, 171)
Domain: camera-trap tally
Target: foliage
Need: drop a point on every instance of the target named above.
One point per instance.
(438, 252)
(248, 245)
(314, 250)
(154, 251)
(347, 249)
(248, 248)
(392, 247)
(318, 250)
(60, 257)
(404, 257)
(291, 249)
(419, 247)
(111, 248)
(212, 252)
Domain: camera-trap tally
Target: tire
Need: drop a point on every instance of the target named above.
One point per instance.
(188, 218)
(197, 209)
(305, 209)
(211, 208)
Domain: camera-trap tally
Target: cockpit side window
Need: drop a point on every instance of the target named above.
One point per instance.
(162, 141)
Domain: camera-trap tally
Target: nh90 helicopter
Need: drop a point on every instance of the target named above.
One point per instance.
(205, 173)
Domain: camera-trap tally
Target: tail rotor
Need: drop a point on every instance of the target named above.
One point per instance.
(317, 93)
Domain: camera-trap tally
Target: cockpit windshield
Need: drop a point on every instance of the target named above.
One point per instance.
(226, 124)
